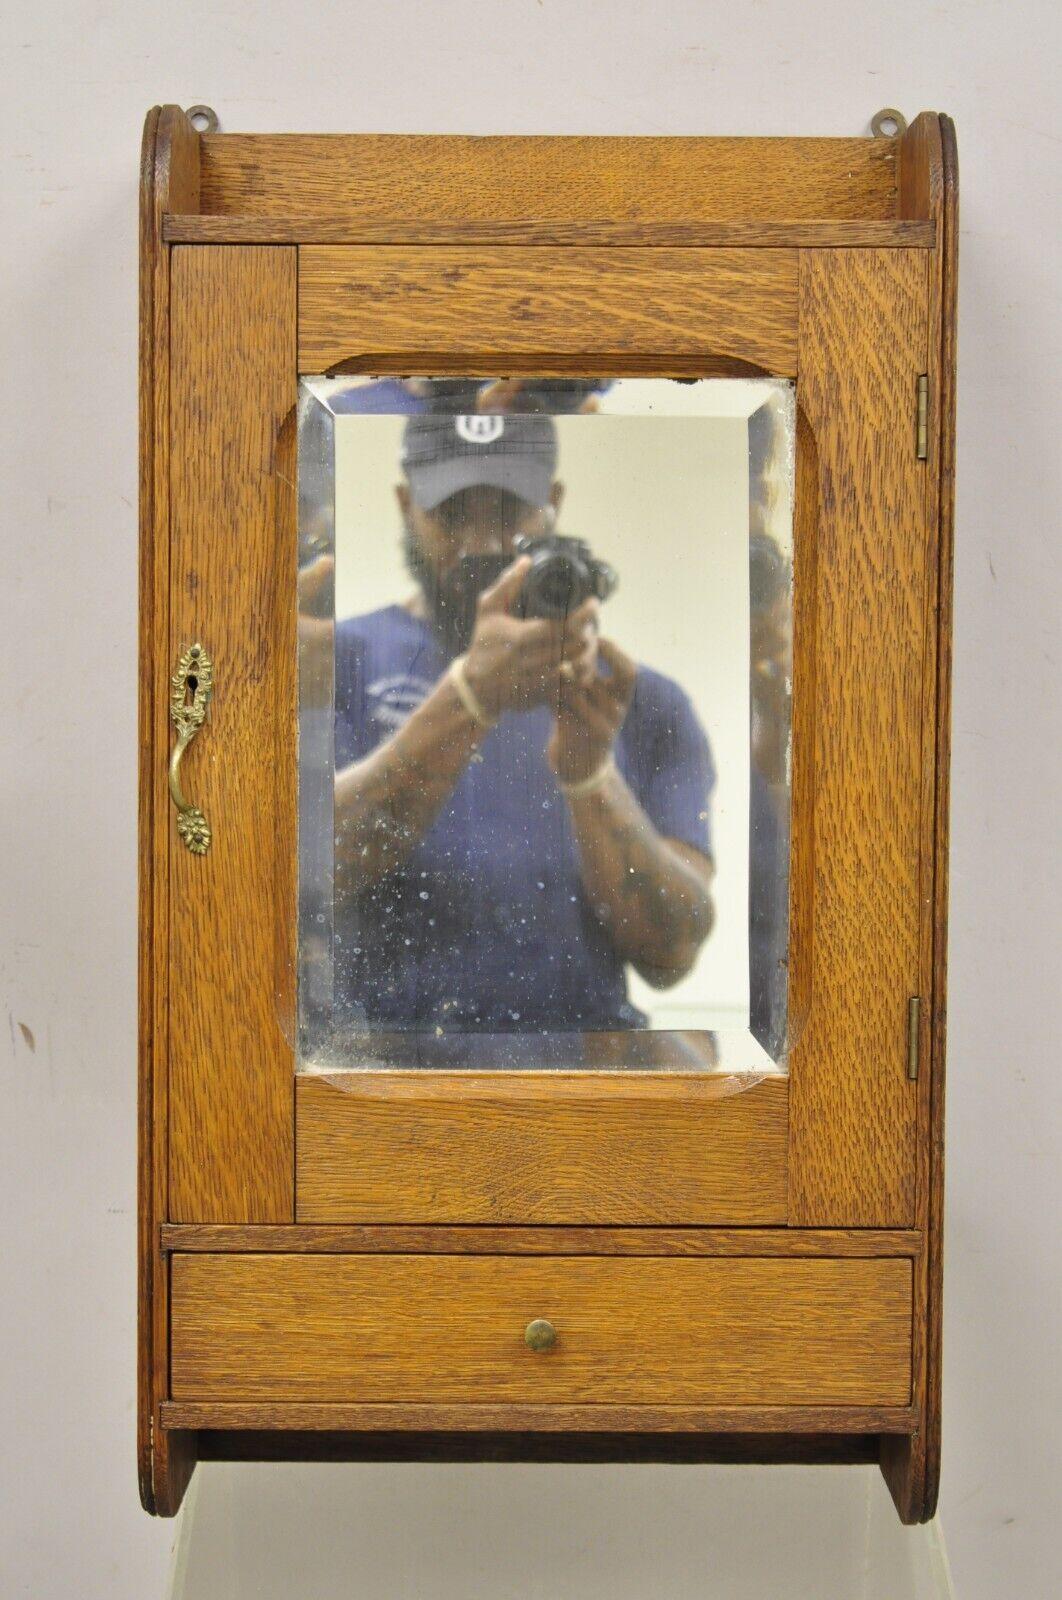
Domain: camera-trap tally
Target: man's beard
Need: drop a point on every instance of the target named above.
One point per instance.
(451, 598)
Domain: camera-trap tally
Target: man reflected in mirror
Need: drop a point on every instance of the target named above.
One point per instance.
(521, 812)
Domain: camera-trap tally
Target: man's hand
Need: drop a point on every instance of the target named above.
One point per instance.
(512, 664)
(591, 712)
(652, 894)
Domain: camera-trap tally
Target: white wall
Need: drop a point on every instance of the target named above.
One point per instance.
(77, 80)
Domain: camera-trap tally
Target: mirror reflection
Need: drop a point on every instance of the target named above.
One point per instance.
(545, 635)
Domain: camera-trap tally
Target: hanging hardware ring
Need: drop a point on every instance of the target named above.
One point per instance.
(888, 123)
(204, 119)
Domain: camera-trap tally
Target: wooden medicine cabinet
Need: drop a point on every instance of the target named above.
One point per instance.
(546, 611)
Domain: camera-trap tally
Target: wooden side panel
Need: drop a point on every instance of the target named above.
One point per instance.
(863, 328)
(169, 175)
(426, 1147)
(233, 558)
(357, 301)
(548, 179)
(451, 1329)
(930, 188)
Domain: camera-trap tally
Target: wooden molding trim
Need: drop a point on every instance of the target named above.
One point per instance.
(343, 1239)
(904, 233)
(542, 1419)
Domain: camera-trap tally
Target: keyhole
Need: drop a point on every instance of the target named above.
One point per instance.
(191, 685)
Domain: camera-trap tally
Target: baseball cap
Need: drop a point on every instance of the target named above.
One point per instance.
(441, 455)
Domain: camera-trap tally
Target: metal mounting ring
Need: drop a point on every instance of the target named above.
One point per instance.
(204, 119)
(891, 115)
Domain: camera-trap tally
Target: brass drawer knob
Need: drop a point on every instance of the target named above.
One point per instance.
(540, 1335)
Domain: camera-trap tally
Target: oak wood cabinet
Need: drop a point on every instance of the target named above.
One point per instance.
(345, 1264)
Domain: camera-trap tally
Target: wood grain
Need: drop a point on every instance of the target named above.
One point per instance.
(912, 1466)
(920, 183)
(538, 1148)
(383, 176)
(169, 175)
(232, 588)
(355, 301)
(546, 364)
(351, 1239)
(450, 1329)
(647, 234)
(918, 169)
(863, 334)
(507, 1419)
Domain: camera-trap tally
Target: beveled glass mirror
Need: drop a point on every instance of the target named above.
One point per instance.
(545, 692)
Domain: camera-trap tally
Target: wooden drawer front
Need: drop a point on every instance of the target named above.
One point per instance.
(712, 1330)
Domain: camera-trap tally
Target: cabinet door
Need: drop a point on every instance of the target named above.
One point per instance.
(830, 1144)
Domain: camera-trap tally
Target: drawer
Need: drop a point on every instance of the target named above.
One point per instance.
(451, 1329)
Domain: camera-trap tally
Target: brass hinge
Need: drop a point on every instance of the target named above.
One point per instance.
(922, 418)
(914, 1011)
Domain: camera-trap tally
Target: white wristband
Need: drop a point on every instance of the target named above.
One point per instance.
(466, 694)
(587, 785)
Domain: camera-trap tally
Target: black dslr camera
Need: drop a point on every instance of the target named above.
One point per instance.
(563, 574)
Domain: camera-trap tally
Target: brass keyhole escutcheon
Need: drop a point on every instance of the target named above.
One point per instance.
(540, 1335)
(191, 687)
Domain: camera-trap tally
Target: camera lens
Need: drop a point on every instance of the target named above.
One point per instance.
(554, 587)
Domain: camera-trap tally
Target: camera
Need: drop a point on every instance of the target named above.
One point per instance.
(564, 572)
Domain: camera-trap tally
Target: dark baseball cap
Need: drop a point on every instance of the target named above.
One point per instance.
(441, 455)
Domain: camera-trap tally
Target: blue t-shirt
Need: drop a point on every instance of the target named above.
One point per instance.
(487, 925)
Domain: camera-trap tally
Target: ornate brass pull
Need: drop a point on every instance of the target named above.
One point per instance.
(194, 677)
(540, 1335)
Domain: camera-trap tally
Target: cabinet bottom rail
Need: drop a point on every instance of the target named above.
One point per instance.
(474, 1418)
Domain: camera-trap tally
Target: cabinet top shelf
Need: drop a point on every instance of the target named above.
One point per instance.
(335, 188)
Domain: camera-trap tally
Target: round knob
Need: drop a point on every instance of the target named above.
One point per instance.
(540, 1335)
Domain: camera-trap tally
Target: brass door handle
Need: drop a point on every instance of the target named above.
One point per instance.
(191, 686)
(540, 1335)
